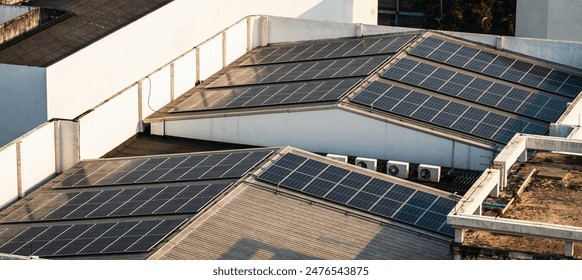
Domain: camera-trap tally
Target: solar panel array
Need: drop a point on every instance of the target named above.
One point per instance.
(265, 95)
(527, 103)
(296, 73)
(87, 238)
(445, 113)
(164, 169)
(340, 185)
(139, 201)
(498, 66)
(299, 71)
(124, 206)
(327, 50)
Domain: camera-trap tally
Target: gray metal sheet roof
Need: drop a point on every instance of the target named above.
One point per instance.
(259, 224)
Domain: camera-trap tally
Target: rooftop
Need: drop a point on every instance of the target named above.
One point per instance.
(423, 80)
(260, 223)
(90, 21)
(130, 207)
(553, 196)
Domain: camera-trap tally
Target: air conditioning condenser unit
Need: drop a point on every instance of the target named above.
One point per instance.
(429, 173)
(338, 157)
(397, 168)
(368, 163)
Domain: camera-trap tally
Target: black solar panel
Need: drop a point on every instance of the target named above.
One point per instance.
(135, 201)
(510, 69)
(267, 95)
(527, 103)
(86, 238)
(361, 191)
(327, 50)
(445, 113)
(299, 71)
(164, 169)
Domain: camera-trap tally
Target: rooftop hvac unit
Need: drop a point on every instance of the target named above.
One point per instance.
(397, 168)
(366, 163)
(338, 157)
(429, 173)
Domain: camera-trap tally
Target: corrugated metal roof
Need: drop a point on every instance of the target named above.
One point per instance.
(259, 224)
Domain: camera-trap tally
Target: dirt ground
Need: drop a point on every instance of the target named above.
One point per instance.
(548, 200)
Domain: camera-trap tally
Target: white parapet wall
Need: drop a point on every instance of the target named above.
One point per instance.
(37, 157)
(109, 125)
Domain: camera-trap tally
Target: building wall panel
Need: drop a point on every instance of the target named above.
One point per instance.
(334, 131)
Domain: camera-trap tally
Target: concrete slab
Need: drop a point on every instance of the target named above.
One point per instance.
(553, 173)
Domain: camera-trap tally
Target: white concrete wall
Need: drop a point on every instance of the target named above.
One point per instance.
(364, 10)
(8, 175)
(283, 30)
(334, 131)
(555, 19)
(531, 19)
(567, 53)
(565, 20)
(160, 37)
(37, 156)
(109, 125)
(22, 100)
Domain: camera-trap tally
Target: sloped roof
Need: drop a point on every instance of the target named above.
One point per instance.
(89, 21)
(127, 208)
(429, 79)
(258, 223)
(120, 207)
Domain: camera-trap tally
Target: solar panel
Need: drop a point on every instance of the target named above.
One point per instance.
(327, 50)
(360, 191)
(445, 113)
(498, 66)
(267, 95)
(527, 103)
(135, 201)
(87, 238)
(164, 169)
(299, 71)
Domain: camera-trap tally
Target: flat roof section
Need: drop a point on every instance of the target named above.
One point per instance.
(553, 196)
(91, 20)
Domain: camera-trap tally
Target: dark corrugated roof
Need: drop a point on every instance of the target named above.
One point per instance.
(91, 20)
